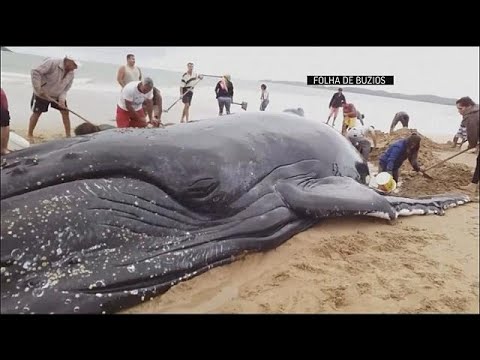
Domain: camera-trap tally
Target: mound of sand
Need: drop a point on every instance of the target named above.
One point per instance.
(427, 143)
(447, 178)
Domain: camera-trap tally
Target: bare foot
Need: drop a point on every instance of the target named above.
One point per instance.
(31, 139)
(5, 151)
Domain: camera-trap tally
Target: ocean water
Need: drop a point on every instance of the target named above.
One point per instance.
(95, 93)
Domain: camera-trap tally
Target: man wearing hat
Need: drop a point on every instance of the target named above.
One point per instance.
(51, 81)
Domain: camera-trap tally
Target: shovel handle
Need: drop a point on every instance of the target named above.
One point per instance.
(73, 112)
(444, 160)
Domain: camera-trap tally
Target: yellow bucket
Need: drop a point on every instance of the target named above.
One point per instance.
(385, 182)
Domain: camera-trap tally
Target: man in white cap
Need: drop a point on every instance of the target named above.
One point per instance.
(360, 137)
(51, 81)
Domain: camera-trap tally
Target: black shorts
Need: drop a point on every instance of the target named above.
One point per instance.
(403, 119)
(4, 118)
(187, 99)
(40, 105)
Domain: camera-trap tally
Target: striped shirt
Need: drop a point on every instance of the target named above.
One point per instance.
(188, 80)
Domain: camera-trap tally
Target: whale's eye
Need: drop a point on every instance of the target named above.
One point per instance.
(202, 188)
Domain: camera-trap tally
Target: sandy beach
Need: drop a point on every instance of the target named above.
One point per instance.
(419, 264)
(364, 265)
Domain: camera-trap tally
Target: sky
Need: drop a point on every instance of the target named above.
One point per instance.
(442, 71)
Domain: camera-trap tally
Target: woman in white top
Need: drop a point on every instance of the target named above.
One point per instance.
(264, 98)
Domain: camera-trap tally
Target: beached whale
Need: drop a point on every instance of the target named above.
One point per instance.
(101, 222)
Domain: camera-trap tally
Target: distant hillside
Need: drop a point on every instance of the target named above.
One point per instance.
(6, 49)
(424, 98)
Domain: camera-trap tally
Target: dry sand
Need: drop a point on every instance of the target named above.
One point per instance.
(419, 264)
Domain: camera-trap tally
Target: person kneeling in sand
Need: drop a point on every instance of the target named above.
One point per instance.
(359, 137)
(130, 105)
(392, 159)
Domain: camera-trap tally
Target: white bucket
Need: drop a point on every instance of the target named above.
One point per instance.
(385, 182)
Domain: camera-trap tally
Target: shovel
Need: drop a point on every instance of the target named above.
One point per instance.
(243, 105)
(441, 162)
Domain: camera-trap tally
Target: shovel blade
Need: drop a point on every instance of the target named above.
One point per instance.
(427, 176)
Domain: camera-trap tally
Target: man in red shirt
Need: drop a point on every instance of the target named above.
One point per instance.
(4, 122)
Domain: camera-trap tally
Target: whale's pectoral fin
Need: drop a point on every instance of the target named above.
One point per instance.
(343, 196)
(333, 196)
